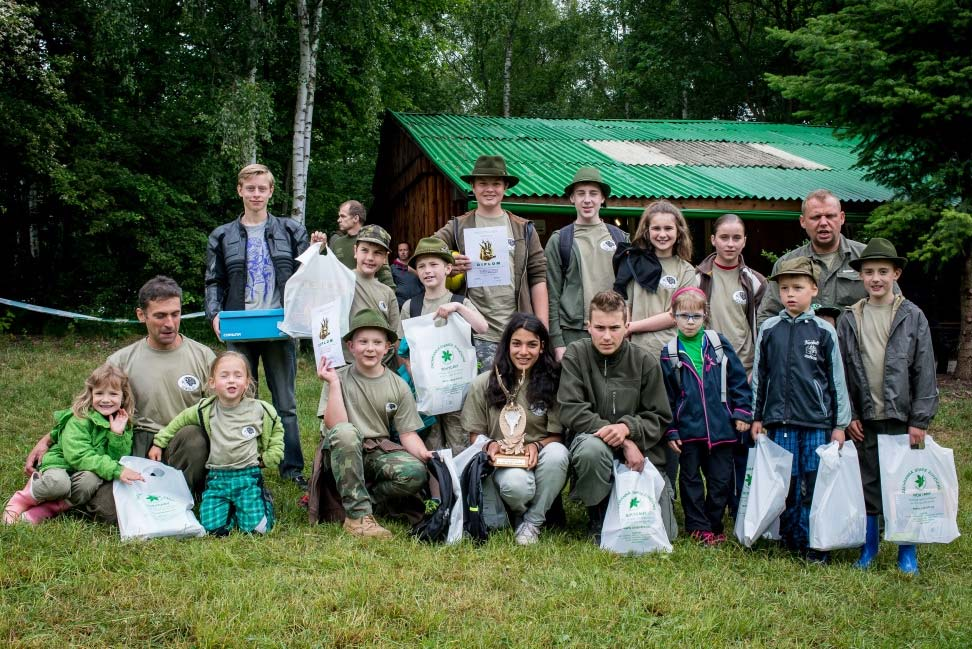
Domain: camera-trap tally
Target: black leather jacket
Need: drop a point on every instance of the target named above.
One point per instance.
(226, 260)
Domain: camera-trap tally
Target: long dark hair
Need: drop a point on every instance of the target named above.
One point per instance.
(544, 375)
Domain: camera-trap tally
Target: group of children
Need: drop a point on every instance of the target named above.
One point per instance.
(725, 385)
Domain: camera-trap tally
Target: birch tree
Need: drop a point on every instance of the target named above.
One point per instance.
(308, 29)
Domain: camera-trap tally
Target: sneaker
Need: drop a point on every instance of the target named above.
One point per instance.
(717, 539)
(702, 536)
(366, 527)
(527, 533)
(304, 502)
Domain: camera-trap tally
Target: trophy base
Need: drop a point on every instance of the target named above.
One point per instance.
(510, 461)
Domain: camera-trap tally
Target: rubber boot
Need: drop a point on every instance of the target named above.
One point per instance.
(908, 559)
(18, 504)
(871, 542)
(40, 513)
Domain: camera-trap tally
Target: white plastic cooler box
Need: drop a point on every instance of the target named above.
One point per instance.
(258, 324)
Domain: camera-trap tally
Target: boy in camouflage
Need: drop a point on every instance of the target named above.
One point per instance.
(359, 403)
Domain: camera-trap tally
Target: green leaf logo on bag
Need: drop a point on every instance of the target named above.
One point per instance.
(920, 481)
(634, 503)
(447, 356)
(749, 479)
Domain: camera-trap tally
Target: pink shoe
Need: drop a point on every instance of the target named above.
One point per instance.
(43, 511)
(18, 504)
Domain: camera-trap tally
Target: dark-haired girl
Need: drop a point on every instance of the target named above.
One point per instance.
(520, 391)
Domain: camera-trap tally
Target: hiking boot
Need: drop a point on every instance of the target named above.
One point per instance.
(366, 527)
(595, 517)
(40, 513)
(18, 504)
(527, 533)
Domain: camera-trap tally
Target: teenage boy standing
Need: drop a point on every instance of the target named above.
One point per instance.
(248, 263)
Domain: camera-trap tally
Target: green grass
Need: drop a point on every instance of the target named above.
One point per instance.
(73, 583)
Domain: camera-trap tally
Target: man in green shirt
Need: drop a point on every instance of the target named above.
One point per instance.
(351, 218)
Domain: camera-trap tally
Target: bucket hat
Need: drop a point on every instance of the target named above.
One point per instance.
(588, 175)
(370, 319)
(796, 266)
(431, 246)
(490, 166)
(878, 249)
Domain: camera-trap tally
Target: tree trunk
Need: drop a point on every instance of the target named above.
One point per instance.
(508, 57)
(309, 21)
(255, 50)
(963, 367)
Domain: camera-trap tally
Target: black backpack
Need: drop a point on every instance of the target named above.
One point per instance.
(567, 243)
(434, 527)
(471, 483)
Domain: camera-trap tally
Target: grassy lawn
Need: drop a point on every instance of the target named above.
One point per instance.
(73, 583)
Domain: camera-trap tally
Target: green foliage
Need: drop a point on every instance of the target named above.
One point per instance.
(934, 234)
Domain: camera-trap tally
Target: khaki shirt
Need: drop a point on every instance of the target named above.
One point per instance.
(373, 404)
(676, 273)
(479, 417)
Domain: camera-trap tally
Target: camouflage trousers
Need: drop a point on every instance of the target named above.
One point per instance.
(371, 472)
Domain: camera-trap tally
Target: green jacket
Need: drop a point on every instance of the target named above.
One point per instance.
(343, 246)
(627, 387)
(271, 436)
(87, 444)
(566, 292)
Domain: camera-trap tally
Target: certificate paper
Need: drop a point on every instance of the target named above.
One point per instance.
(488, 250)
(326, 323)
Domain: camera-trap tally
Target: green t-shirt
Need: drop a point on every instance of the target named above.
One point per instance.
(478, 417)
(676, 273)
(693, 347)
(374, 403)
(164, 383)
(234, 436)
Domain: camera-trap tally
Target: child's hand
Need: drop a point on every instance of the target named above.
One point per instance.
(916, 436)
(756, 430)
(741, 426)
(326, 371)
(675, 445)
(155, 453)
(444, 310)
(838, 436)
(634, 459)
(856, 430)
(128, 476)
(118, 421)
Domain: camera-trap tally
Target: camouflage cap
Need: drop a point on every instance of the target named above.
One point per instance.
(375, 234)
(796, 266)
(370, 319)
(431, 246)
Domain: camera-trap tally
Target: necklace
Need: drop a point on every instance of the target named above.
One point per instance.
(512, 417)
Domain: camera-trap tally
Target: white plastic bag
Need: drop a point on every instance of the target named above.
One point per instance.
(633, 523)
(838, 518)
(319, 280)
(764, 491)
(159, 506)
(443, 361)
(919, 491)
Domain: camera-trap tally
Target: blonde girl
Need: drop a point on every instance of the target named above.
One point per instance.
(650, 270)
(88, 441)
(245, 434)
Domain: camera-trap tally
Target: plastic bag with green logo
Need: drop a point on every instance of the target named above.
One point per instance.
(764, 492)
(633, 523)
(837, 513)
(919, 491)
(442, 360)
(161, 505)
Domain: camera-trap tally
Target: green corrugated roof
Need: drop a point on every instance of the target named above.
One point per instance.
(545, 153)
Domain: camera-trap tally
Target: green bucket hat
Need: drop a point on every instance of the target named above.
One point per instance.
(831, 310)
(370, 319)
(878, 249)
(375, 234)
(588, 175)
(431, 246)
(490, 166)
(796, 266)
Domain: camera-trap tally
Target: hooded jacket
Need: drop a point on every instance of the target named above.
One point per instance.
(696, 402)
(798, 376)
(910, 390)
(226, 260)
(87, 444)
(626, 387)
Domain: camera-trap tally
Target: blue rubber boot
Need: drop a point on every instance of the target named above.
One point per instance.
(908, 559)
(871, 542)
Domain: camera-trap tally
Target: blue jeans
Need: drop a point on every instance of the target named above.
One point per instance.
(280, 364)
(803, 443)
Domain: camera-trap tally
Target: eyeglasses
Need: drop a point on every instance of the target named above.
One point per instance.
(690, 317)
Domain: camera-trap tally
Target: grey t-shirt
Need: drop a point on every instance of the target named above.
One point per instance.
(234, 438)
(875, 331)
(261, 286)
